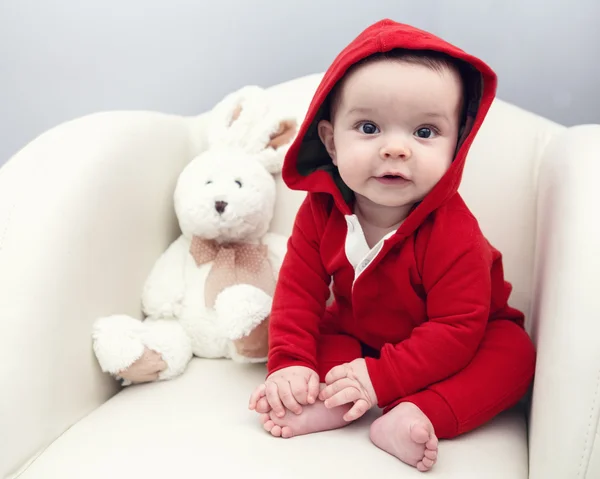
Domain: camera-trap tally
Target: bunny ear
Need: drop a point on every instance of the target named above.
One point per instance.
(225, 115)
(250, 120)
(276, 138)
(236, 114)
(284, 134)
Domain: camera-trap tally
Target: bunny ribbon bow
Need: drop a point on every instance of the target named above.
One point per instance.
(233, 263)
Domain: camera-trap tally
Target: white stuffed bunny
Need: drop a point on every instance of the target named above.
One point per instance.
(209, 294)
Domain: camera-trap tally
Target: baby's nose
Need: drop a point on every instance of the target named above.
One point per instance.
(397, 150)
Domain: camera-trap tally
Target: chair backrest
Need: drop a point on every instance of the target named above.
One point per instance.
(499, 182)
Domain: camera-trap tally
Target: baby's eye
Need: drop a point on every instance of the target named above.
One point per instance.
(425, 133)
(368, 128)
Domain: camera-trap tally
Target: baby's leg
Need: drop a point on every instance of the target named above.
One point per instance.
(332, 350)
(495, 380)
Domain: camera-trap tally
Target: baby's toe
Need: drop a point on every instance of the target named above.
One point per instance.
(286, 432)
(276, 431)
(269, 425)
(264, 418)
(432, 444)
(428, 463)
(420, 434)
(422, 466)
(430, 454)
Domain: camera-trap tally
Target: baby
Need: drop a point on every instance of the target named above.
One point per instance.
(420, 323)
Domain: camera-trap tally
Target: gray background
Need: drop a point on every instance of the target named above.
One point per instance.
(60, 59)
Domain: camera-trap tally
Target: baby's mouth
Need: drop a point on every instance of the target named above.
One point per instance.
(392, 178)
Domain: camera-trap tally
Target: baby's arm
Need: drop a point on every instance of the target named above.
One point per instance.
(301, 294)
(298, 306)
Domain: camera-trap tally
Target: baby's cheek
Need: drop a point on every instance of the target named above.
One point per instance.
(437, 167)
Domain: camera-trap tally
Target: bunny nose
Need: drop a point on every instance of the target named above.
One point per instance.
(220, 206)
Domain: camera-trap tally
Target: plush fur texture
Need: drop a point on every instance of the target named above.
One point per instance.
(225, 174)
(246, 146)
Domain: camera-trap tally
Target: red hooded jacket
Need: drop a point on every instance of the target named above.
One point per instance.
(425, 298)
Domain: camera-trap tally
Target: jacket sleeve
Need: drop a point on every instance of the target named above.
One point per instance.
(301, 294)
(457, 280)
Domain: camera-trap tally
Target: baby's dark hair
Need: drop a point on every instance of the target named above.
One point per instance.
(434, 60)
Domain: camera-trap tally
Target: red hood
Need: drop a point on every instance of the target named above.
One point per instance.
(307, 165)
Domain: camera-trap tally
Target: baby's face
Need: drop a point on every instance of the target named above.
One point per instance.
(394, 130)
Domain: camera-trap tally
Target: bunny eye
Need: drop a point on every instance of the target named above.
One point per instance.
(209, 182)
(239, 183)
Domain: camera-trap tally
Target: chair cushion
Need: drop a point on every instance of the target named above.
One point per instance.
(198, 425)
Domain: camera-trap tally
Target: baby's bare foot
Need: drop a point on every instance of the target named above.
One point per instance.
(313, 418)
(405, 432)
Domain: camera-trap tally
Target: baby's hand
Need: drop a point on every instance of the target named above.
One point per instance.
(349, 382)
(256, 399)
(288, 388)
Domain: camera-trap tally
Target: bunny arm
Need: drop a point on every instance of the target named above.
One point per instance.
(242, 307)
(164, 289)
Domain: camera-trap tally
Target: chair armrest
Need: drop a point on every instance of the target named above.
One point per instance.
(566, 319)
(85, 210)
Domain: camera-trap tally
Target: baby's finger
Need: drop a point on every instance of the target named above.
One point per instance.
(273, 398)
(288, 399)
(258, 393)
(336, 387)
(262, 406)
(299, 388)
(360, 407)
(345, 396)
(337, 373)
(313, 388)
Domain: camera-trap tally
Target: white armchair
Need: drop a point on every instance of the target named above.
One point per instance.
(86, 208)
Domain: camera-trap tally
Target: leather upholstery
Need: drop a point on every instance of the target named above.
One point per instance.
(86, 208)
